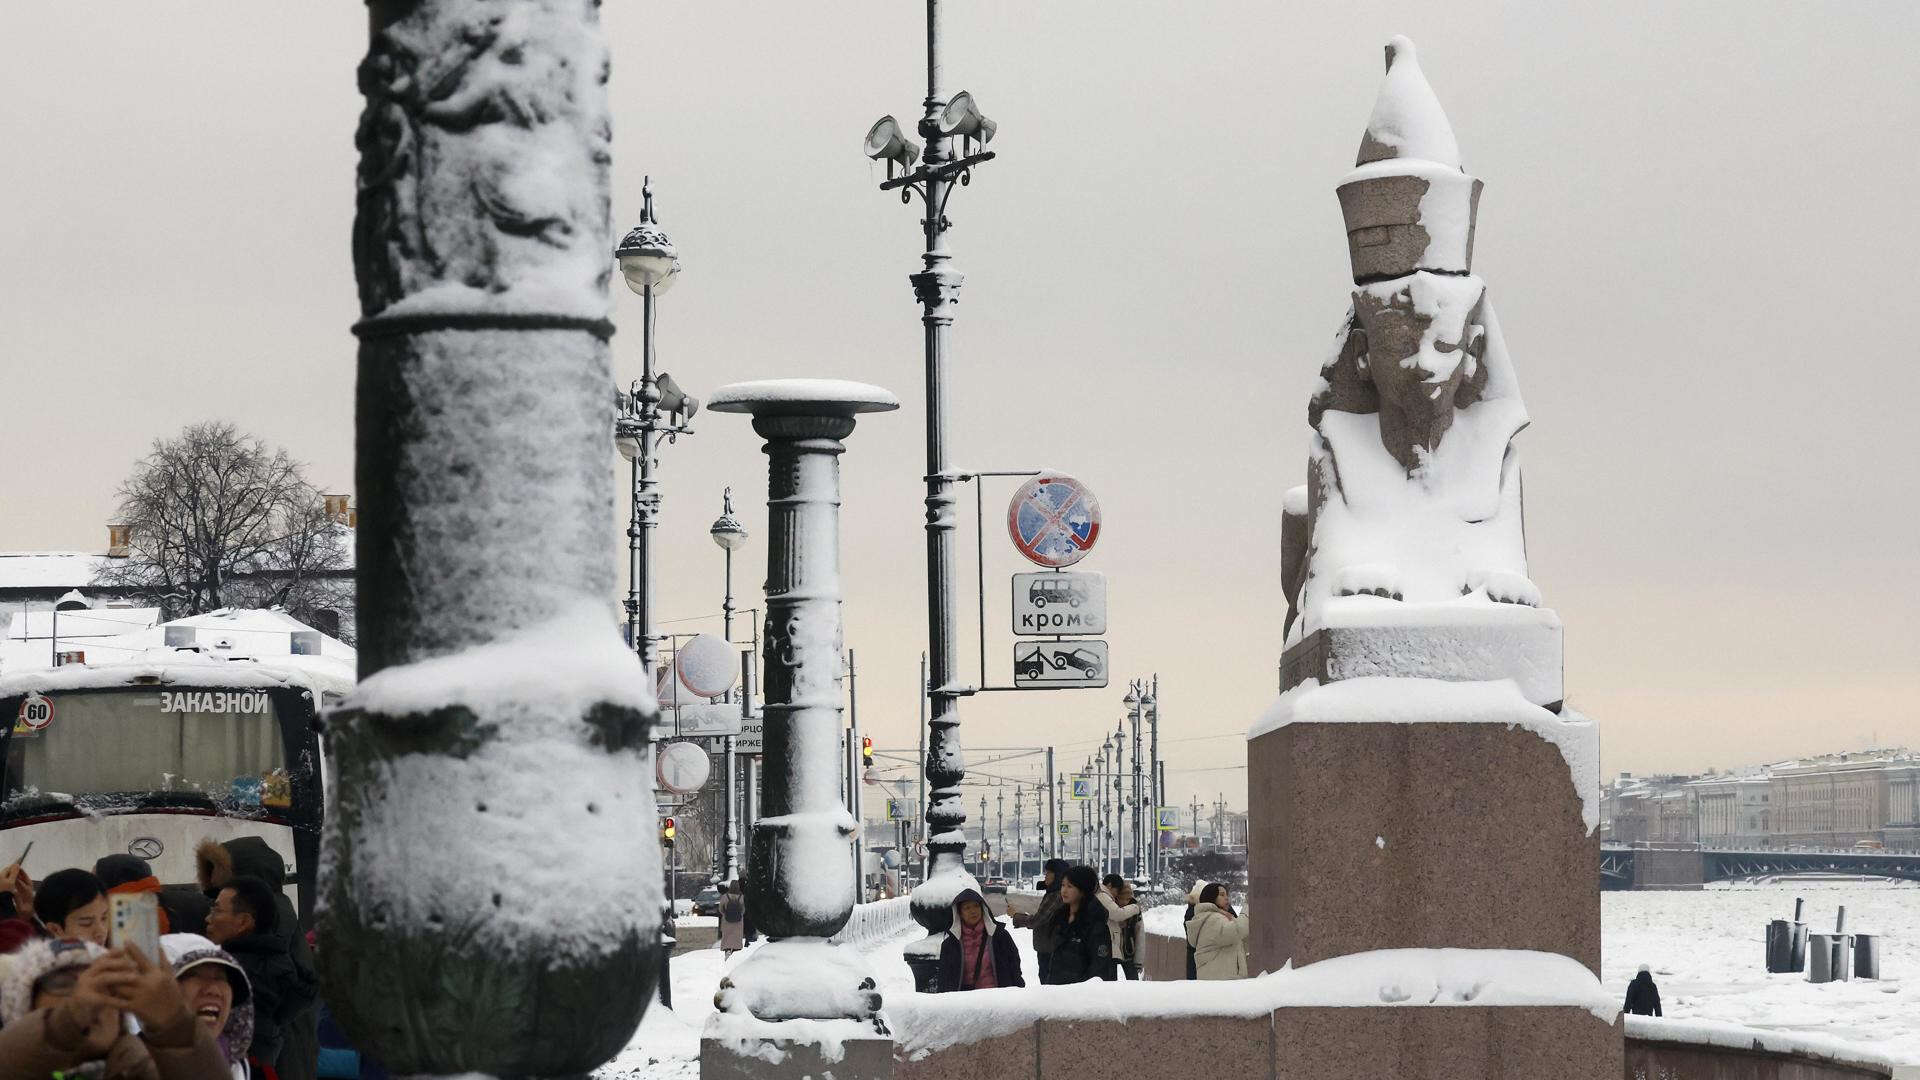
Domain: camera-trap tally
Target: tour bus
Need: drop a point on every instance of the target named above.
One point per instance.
(152, 754)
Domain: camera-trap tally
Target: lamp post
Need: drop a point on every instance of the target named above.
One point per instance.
(1132, 703)
(937, 286)
(1119, 798)
(1154, 794)
(652, 411)
(730, 535)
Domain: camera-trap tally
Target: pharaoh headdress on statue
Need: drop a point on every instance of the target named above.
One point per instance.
(1412, 511)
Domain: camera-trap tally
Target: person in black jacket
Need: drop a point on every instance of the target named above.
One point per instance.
(1054, 873)
(1643, 998)
(243, 921)
(1082, 943)
(978, 953)
(218, 863)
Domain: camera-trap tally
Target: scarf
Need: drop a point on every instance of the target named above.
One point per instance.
(976, 958)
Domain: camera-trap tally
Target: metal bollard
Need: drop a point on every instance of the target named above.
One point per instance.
(1779, 945)
(1797, 956)
(1820, 958)
(1842, 957)
(1866, 956)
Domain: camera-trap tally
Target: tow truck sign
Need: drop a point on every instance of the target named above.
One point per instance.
(1059, 665)
(1064, 604)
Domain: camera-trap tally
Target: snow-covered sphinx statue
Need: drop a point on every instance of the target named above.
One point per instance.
(1414, 489)
(1411, 516)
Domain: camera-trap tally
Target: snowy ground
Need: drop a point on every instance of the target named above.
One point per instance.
(1705, 949)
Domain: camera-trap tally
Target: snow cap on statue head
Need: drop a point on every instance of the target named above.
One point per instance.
(1409, 204)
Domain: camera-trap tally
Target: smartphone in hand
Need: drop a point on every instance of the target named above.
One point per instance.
(134, 919)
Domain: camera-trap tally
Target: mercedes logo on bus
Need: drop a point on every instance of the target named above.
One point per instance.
(145, 847)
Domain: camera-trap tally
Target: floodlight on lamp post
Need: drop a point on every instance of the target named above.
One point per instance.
(937, 287)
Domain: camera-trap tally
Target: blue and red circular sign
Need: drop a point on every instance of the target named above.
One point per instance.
(1053, 520)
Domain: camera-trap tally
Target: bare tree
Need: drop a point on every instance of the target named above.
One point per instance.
(220, 520)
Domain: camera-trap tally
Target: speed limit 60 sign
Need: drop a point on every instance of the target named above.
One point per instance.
(36, 712)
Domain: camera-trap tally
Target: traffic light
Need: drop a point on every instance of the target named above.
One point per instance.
(866, 751)
(666, 831)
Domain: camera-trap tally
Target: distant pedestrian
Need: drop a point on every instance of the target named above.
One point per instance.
(978, 952)
(1081, 941)
(1053, 875)
(733, 918)
(1123, 917)
(1218, 936)
(1643, 998)
(1193, 897)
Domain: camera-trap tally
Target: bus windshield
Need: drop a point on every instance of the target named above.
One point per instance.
(224, 745)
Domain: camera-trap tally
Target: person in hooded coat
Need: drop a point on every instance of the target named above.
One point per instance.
(978, 952)
(1643, 997)
(1053, 875)
(1081, 942)
(64, 1007)
(733, 917)
(1218, 936)
(218, 864)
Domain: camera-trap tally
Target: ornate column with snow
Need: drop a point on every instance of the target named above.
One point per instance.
(1419, 784)
(490, 886)
(800, 881)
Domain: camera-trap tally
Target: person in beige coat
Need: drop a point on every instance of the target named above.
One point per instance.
(1123, 925)
(1218, 936)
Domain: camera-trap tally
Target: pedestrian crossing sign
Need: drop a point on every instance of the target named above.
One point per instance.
(1082, 786)
(1168, 818)
(1066, 828)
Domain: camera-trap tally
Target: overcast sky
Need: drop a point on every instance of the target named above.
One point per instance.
(1699, 225)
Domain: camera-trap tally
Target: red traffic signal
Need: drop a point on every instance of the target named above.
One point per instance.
(866, 750)
(666, 829)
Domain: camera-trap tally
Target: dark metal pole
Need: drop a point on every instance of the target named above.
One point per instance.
(938, 288)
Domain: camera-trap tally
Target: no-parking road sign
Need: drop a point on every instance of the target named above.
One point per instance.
(1053, 520)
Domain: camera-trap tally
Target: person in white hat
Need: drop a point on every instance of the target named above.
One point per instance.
(221, 998)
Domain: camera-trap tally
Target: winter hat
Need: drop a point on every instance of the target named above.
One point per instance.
(188, 951)
(116, 870)
(35, 961)
(1645, 970)
(1193, 894)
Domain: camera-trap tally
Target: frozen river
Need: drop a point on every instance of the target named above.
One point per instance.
(1705, 949)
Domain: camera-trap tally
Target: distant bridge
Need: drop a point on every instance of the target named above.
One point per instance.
(1624, 867)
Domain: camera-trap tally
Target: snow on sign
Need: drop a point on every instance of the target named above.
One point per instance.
(1059, 603)
(707, 719)
(1053, 520)
(682, 767)
(1059, 665)
(36, 712)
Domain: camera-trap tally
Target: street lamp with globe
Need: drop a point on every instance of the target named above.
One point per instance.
(731, 536)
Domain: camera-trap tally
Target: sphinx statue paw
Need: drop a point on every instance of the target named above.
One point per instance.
(1503, 587)
(1368, 579)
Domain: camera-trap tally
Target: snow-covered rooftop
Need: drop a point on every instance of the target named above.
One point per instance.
(49, 569)
(258, 651)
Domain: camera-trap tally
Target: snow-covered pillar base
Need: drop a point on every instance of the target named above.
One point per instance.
(497, 744)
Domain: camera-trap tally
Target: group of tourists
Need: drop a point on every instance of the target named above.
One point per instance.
(232, 996)
(1085, 928)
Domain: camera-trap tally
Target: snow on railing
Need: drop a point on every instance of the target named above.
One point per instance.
(1763, 1040)
(877, 923)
